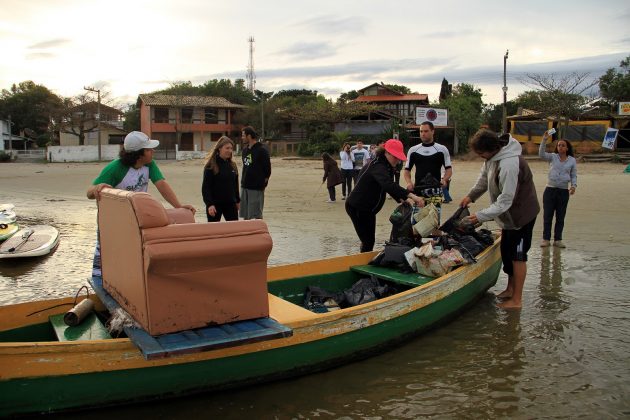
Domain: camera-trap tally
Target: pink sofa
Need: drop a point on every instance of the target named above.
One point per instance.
(172, 274)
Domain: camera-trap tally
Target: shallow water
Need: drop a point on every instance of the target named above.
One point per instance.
(566, 354)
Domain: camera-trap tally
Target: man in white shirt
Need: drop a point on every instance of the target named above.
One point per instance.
(360, 157)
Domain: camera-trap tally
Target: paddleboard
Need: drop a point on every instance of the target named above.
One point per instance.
(7, 230)
(30, 241)
(7, 215)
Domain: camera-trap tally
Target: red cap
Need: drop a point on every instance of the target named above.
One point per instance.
(395, 148)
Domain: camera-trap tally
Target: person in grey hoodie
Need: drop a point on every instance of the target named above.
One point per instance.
(514, 205)
(562, 173)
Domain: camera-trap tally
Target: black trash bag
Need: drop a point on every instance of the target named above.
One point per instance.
(394, 256)
(470, 244)
(402, 225)
(365, 290)
(455, 223)
(484, 236)
(315, 298)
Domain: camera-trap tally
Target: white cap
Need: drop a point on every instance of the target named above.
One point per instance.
(137, 140)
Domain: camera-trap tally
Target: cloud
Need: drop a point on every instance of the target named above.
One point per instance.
(40, 55)
(450, 34)
(48, 44)
(309, 50)
(329, 24)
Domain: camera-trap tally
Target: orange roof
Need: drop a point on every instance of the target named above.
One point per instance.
(393, 98)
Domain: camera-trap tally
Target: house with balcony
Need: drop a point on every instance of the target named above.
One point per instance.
(187, 122)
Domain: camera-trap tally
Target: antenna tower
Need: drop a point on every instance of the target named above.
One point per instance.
(251, 76)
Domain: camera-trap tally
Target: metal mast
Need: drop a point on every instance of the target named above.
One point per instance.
(251, 76)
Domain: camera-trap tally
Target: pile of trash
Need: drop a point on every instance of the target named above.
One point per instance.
(418, 245)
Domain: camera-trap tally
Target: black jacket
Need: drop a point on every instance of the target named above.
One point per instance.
(376, 179)
(256, 167)
(222, 187)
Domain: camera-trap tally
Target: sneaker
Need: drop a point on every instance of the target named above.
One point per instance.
(330, 201)
(544, 244)
(343, 198)
(559, 244)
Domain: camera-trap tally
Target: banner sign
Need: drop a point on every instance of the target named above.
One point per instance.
(624, 108)
(610, 138)
(439, 117)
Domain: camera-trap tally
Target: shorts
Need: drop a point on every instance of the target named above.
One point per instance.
(515, 243)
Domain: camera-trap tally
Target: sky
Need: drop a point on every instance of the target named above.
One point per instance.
(126, 48)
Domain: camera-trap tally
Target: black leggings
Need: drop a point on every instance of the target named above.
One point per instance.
(555, 200)
(346, 181)
(227, 210)
(365, 225)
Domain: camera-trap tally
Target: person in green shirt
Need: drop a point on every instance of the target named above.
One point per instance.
(132, 172)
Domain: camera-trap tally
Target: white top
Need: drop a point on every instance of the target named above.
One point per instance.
(346, 160)
(360, 157)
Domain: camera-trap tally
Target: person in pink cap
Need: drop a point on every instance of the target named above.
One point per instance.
(374, 181)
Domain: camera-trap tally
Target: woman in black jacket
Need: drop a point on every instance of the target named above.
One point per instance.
(368, 195)
(220, 183)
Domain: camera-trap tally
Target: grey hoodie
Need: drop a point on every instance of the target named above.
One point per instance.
(508, 179)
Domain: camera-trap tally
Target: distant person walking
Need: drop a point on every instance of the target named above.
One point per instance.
(561, 183)
(360, 156)
(368, 196)
(220, 183)
(347, 170)
(332, 176)
(256, 174)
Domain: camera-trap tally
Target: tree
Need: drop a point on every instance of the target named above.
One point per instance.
(398, 88)
(348, 96)
(30, 106)
(465, 106)
(560, 96)
(614, 85)
(493, 114)
(445, 90)
(132, 118)
(78, 115)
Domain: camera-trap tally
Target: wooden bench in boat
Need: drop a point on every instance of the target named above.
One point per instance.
(393, 275)
(286, 312)
(199, 339)
(90, 329)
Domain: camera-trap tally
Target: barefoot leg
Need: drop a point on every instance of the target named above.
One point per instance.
(520, 272)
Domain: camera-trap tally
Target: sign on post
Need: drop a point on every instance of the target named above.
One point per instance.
(437, 116)
(624, 108)
(610, 138)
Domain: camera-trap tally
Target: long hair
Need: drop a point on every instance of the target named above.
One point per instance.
(130, 158)
(327, 158)
(569, 147)
(211, 163)
(343, 149)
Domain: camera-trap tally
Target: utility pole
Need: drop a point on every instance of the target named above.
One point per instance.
(98, 116)
(10, 138)
(505, 89)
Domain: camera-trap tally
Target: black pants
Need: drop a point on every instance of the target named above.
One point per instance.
(364, 223)
(555, 200)
(515, 244)
(227, 210)
(346, 181)
(331, 193)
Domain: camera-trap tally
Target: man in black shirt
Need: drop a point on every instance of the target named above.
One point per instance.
(256, 173)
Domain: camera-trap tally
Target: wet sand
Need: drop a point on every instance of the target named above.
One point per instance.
(295, 204)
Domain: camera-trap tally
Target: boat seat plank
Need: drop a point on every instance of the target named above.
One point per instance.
(286, 312)
(90, 329)
(393, 275)
(197, 340)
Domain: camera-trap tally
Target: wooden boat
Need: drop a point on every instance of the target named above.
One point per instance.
(30, 241)
(39, 373)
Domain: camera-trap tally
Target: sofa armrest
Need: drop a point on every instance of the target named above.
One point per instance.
(179, 216)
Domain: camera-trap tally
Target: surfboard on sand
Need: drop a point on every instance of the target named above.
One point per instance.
(8, 226)
(30, 241)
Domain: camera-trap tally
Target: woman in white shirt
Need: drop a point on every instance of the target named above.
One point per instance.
(347, 166)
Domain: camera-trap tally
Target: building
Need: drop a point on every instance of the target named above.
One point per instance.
(392, 102)
(187, 122)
